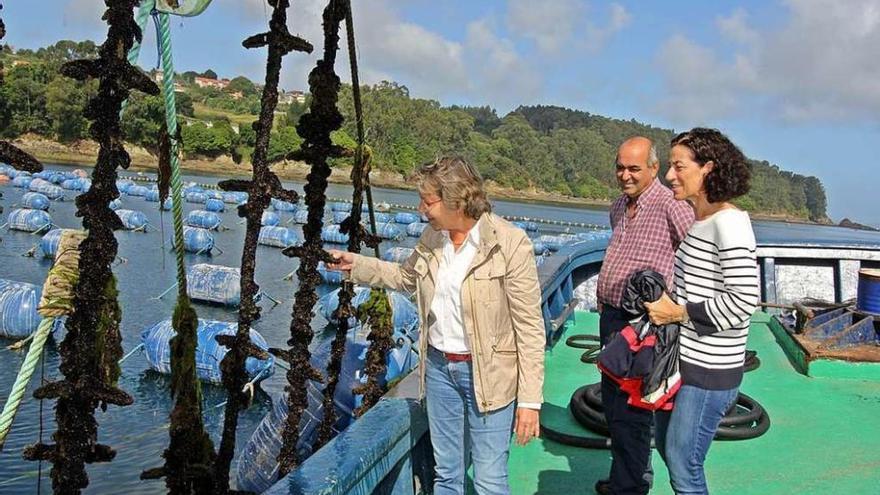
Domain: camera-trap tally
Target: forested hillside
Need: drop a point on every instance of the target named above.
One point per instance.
(547, 148)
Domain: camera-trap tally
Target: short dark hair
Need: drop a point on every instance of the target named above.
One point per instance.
(731, 173)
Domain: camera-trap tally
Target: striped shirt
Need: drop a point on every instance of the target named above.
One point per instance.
(716, 275)
(645, 242)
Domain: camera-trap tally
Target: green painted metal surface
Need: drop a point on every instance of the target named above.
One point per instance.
(824, 438)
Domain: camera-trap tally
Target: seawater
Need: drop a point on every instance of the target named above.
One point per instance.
(139, 433)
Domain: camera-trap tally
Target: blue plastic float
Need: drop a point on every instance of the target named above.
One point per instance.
(388, 230)
(279, 205)
(209, 353)
(301, 216)
(23, 182)
(415, 229)
(405, 218)
(257, 467)
(331, 234)
(196, 240)
(28, 220)
(270, 219)
(340, 207)
(195, 197)
(139, 191)
(332, 277)
(214, 283)
(397, 254)
(203, 219)
(49, 243)
(131, 219)
(278, 237)
(35, 201)
(215, 205)
(18, 309)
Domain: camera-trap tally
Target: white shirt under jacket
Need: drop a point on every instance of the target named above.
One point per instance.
(446, 333)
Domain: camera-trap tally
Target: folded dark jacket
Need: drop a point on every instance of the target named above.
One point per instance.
(644, 356)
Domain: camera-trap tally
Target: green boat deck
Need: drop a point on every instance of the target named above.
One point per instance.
(824, 436)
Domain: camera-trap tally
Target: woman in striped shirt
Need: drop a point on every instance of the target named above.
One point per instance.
(716, 292)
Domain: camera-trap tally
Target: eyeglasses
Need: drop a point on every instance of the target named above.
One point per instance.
(428, 204)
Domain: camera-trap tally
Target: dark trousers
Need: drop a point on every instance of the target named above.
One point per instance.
(630, 426)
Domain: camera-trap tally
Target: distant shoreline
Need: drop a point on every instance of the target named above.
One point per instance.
(85, 153)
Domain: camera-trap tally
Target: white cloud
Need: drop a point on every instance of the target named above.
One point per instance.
(555, 25)
(597, 36)
(550, 23)
(497, 71)
(820, 64)
(735, 27)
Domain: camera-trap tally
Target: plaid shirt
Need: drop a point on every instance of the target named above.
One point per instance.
(646, 241)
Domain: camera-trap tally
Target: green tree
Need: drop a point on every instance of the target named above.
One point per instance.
(65, 101)
(242, 84)
(284, 141)
(26, 100)
(142, 120)
(209, 74)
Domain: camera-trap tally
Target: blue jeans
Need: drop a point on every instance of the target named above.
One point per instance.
(460, 434)
(684, 434)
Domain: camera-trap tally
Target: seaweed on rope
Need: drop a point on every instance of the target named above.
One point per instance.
(263, 186)
(360, 176)
(92, 347)
(317, 148)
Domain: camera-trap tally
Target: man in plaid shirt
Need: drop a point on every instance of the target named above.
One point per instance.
(648, 224)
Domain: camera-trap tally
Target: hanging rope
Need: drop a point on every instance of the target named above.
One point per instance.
(190, 453)
(357, 234)
(91, 350)
(317, 147)
(263, 186)
(56, 301)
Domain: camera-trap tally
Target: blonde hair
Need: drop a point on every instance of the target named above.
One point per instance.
(458, 184)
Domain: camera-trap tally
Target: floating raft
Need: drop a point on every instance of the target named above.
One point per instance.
(257, 466)
(35, 201)
(215, 205)
(28, 220)
(132, 219)
(270, 219)
(156, 340)
(203, 219)
(49, 243)
(278, 237)
(214, 283)
(397, 254)
(405, 314)
(196, 240)
(279, 205)
(18, 309)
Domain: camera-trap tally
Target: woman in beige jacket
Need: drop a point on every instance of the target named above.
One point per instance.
(476, 286)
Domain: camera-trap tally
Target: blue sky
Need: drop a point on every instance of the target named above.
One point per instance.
(794, 82)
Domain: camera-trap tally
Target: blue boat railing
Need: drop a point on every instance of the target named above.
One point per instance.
(387, 450)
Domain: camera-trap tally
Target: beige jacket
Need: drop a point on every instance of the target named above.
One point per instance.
(501, 308)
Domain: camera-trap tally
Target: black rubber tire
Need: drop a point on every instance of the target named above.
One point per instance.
(575, 440)
(586, 415)
(753, 412)
(745, 432)
(586, 407)
(591, 356)
(576, 341)
(751, 364)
